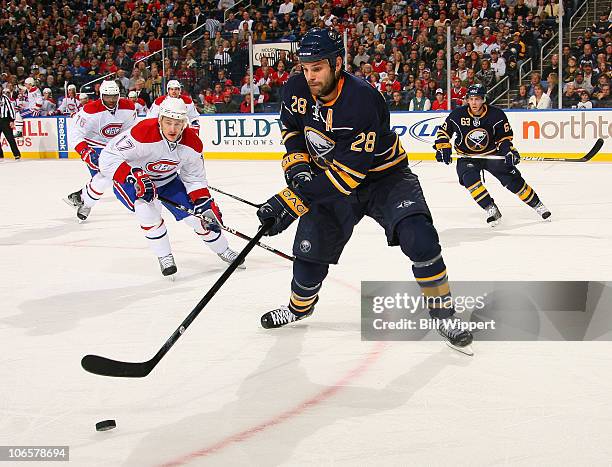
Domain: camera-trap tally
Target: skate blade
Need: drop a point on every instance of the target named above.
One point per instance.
(68, 202)
(467, 350)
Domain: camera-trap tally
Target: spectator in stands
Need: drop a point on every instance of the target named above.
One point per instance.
(498, 65)
(229, 106)
(589, 77)
(440, 102)
(397, 104)
(570, 96)
(458, 92)
(486, 75)
(552, 89)
(286, 7)
(535, 80)
(540, 99)
(585, 102)
(569, 73)
(521, 101)
(553, 67)
(245, 105)
(601, 97)
(419, 102)
(247, 85)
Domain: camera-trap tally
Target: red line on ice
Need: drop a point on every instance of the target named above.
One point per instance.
(352, 374)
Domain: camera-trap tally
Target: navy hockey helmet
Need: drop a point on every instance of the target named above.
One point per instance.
(320, 44)
(477, 90)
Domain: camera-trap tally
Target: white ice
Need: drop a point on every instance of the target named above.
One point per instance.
(231, 393)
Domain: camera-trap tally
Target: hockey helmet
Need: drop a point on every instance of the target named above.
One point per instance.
(176, 109)
(477, 90)
(47, 91)
(29, 81)
(72, 87)
(172, 84)
(83, 96)
(320, 44)
(132, 94)
(109, 88)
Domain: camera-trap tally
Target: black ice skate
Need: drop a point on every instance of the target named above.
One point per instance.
(229, 256)
(282, 316)
(456, 338)
(493, 215)
(76, 200)
(543, 211)
(167, 265)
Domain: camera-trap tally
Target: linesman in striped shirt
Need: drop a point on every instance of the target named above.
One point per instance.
(7, 125)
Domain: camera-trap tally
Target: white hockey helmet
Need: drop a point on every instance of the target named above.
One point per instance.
(132, 94)
(83, 96)
(109, 88)
(29, 81)
(172, 84)
(47, 91)
(72, 87)
(176, 109)
(173, 107)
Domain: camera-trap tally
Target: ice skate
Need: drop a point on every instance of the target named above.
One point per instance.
(75, 200)
(493, 215)
(282, 316)
(167, 265)
(543, 211)
(229, 256)
(456, 338)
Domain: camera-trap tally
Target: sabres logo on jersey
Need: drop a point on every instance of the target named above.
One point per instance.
(477, 140)
(319, 145)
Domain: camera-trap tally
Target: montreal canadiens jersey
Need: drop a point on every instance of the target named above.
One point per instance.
(34, 101)
(475, 135)
(192, 113)
(347, 139)
(70, 106)
(95, 125)
(143, 146)
(48, 107)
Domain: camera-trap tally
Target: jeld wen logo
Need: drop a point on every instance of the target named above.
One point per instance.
(245, 132)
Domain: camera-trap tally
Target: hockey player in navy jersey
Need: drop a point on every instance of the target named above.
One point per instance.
(483, 130)
(342, 163)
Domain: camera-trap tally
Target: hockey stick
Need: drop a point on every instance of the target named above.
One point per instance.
(255, 205)
(107, 367)
(587, 157)
(225, 227)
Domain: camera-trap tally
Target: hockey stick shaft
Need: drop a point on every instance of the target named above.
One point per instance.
(107, 367)
(587, 157)
(226, 228)
(238, 198)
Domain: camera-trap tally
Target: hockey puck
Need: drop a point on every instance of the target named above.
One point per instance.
(105, 425)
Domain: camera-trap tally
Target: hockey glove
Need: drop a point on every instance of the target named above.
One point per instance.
(297, 169)
(284, 208)
(145, 188)
(206, 206)
(90, 157)
(512, 158)
(443, 153)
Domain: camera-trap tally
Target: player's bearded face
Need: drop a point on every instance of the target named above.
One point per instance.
(321, 79)
(475, 103)
(171, 128)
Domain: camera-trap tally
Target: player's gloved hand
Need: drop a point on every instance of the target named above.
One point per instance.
(207, 207)
(145, 188)
(90, 157)
(444, 153)
(512, 158)
(297, 169)
(284, 208)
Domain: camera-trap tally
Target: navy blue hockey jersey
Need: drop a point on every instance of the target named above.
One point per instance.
(345, 140)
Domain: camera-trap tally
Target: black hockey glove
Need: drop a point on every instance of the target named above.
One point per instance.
(512, 158)
(444, 153)
(297, 169)
(284, 208)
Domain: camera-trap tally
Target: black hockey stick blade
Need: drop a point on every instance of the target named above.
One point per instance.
(594, 150)
(587, 157)
(108, 367)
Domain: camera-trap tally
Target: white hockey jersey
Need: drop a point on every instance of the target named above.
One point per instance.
(34, 101)
(143, 146)
(48, 107)
(192, 113)
(141, 107)
(95, 126)
(70, 106)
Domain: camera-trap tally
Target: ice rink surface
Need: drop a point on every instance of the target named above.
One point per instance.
(231, 393)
